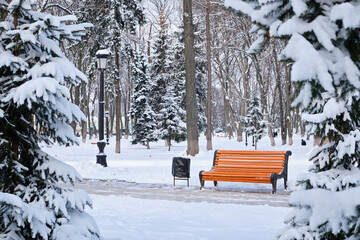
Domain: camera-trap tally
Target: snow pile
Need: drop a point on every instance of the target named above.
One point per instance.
(321, 211)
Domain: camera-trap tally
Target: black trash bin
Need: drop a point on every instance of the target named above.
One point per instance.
(181, 169)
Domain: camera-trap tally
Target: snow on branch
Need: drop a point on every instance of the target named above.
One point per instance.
(57, 6)
(309, 64)
(347, 13)
(61, 170)
(23, 213)
(237, 5)
(340, 207)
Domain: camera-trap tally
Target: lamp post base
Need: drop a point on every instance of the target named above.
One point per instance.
(101, 159)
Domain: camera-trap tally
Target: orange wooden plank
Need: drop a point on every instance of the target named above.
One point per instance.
(249, 163)
(226, 171)
(248, 166)
(250, 152)
(249, 159)
(234, 175)
(253, 180)
(241, 158)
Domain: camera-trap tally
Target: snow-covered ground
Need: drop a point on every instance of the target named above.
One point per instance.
(146, 206)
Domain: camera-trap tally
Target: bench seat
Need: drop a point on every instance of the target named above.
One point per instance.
(247, 166)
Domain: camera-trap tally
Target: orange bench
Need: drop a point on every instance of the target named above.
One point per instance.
(247, 166)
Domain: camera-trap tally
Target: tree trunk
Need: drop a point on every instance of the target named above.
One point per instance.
(269, 119)
(281, 107)
(317, 140)
(127, 102)
(288, 102)
(117, 106)
(209, 97)
(112, 117)
(191, 110)
(118, 117)
(84, 109)
(302, 128)
(126, 118)
(243, 110)
(88, 111)
(93, 123)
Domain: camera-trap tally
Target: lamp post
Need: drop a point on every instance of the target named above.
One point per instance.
(101, 56)
(107, 127)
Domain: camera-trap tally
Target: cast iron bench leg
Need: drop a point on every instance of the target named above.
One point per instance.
(201, 180)
(273, 179)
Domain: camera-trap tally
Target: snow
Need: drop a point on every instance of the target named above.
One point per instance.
(331, 110)
(8, 59)
(103, 52)
(132, 216)
(245, 7)
(332, 203)
(311, 60)
(137, 219)
(348, 13)
(299, 6)
(78, 225)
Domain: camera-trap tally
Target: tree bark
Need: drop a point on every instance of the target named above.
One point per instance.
(117, 123)
(88, 110)
(191, 110)
(288, 102)
(84, 109)
(77, 92)
(112, 117)
(209, 97)
(281, 110)
(227, 99)
(127, 102)
(77, 103)
(117, 107)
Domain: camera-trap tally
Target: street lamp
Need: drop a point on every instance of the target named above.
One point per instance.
(107, 127)
(102, 56)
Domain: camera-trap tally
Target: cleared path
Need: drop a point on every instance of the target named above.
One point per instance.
(183, 193)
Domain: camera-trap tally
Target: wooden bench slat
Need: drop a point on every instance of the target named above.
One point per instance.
(253, 180)
(249, 163)
(251, 152)
(236, 167)
(248, 155)
(239, 159)
(222, 170)
(275, 165)
(230, 174)
(249, 160)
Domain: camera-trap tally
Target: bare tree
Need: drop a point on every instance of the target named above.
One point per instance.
(191, 109)
(209, 99)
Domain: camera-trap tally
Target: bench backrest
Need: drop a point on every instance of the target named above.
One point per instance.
(266, 161)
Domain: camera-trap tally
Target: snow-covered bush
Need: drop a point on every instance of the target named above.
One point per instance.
(323, 48)
(34, 107)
